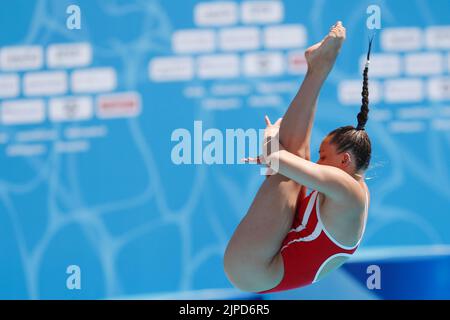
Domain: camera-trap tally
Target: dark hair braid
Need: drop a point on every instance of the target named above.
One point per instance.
(356, 140)
(363, 114)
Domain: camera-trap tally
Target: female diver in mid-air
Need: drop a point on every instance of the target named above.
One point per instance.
(287, 239)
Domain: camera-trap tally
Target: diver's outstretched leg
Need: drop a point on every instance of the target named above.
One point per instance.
(295, 129)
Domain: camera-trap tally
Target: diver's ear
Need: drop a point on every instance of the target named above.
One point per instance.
(347, 160)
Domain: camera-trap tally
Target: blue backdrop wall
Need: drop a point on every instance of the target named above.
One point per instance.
(87, 169)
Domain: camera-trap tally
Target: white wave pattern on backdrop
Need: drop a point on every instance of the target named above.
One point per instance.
(183, 237)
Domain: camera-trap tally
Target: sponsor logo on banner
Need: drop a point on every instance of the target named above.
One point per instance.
(402, 39)
(70, 109)
(21, 58)
(403, 90)
(246, 38)
(439, 88)
(262, 12)
(423, 64)
(94, 80)
(171, 69)
(284, 36)
(9, 85)
(382, 65)
(264, 64)
(218, 66)
(120, 105)
(218, 13)
(297, 63)
(194, 41)
(16, 112)
(438, 37)
(69, 55)
(45, 83)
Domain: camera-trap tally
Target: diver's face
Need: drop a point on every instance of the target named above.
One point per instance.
(329, 156)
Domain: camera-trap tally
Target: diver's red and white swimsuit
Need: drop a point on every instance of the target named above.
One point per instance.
(308, 246)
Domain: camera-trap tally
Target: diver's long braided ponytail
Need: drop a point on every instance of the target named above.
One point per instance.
(363, 114)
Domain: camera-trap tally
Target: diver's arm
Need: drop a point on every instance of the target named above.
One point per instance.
(331, 181)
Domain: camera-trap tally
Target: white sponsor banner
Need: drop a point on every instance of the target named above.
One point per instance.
(407, 126)
(25, 150)
(424, 64)
(262, 12)
(70, 109)
(218, 66)
(94, 80)
(71, 146)
(76, 132)
(220, 13)
(448, 62)
(171, 69)
(15, 112)
(441, 124)
(9, 85)
(21, 58)
(297, 63)
(244, 38)
(381, 114)
(3, 138)
(349, 92)
(45, 83)
(267, 88)
(264, 64)
(284, 36)
(194, 92)
(402, 39)
(235, 89)
(416, 113)
(193, 41)
(270, 101)
(36, 135)
(403, 90)
(221, 104)
(438, 37)
(119, 105)
(382, 65)
(69, 55)
(439, 88)
(444, 111)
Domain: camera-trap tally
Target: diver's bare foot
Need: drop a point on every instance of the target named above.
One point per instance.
(322, 55)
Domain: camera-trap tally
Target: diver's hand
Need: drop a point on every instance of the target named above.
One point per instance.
(271, 143)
